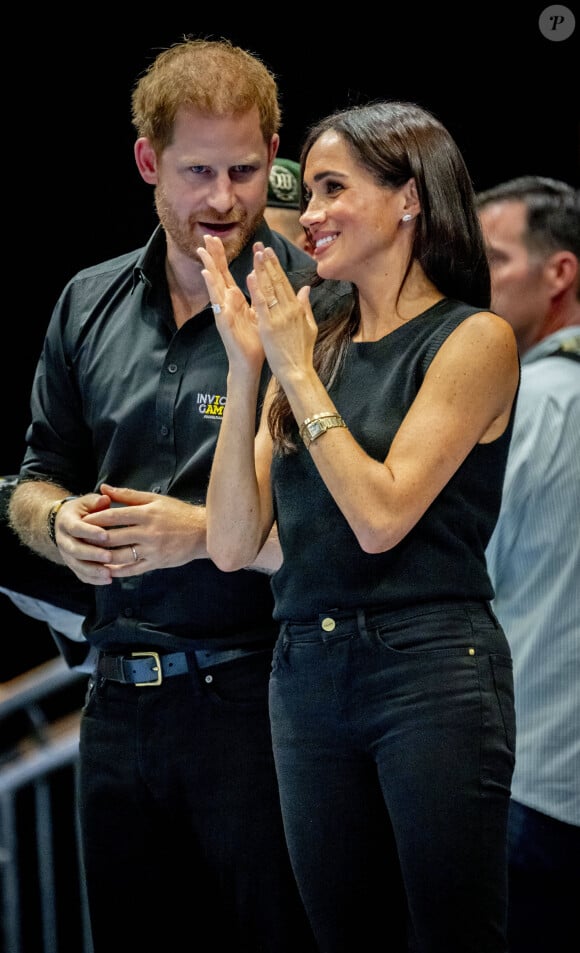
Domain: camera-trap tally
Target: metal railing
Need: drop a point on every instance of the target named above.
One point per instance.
(43, 902)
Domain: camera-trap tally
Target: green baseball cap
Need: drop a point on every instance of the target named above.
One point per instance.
(284, 184)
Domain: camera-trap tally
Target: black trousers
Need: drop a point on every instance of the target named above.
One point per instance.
(180, 819)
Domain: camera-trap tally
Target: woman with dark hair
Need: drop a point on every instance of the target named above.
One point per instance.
(380, 455)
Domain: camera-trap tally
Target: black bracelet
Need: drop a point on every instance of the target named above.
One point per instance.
(51, 520)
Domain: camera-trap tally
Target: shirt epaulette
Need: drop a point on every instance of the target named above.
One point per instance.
(569, 347)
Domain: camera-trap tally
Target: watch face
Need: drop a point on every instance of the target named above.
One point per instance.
(315, 429)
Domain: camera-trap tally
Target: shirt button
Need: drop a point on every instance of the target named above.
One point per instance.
(208, 679)
(164, 431)
(172, 368)
(329, 625)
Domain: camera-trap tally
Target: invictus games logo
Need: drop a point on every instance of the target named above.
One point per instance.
(211, 405)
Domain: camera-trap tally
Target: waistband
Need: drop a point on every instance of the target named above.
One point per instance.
(385, 615)
(149, 667)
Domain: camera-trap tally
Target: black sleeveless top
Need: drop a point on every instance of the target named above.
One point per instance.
(443, 556)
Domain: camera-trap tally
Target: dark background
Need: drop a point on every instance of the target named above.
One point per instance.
(507, 94)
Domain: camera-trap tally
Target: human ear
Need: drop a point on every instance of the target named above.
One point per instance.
(273, 149)
(561, 270)
(412, 206)
(146, 160)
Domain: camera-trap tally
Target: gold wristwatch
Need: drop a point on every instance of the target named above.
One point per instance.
(314, 427)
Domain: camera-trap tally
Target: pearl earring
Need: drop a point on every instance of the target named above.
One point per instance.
(407, 217)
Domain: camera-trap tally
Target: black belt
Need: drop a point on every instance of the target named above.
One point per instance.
(150, 668)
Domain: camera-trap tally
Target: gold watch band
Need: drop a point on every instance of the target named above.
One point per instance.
(314, 427)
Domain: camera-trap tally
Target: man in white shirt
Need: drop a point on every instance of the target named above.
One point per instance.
(532, 231)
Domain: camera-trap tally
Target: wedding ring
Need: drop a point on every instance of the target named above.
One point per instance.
(216, 308)
(135, 556)
(272, 303)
